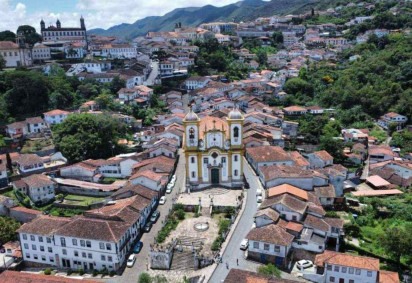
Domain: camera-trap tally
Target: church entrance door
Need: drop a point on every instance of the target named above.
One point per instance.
(215, 176)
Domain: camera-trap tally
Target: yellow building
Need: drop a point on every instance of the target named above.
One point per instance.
(213, 150)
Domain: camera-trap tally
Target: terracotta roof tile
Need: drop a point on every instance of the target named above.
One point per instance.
(348, 260)
(25, 277)
(272, 234)
(324, 155)
(267, 153)
(388, 277)
(269, 212)
(243, 276)
(44, 225)
(287, 189)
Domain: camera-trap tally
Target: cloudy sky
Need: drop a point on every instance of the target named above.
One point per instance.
(97, 13)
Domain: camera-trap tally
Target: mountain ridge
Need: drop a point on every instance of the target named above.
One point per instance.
(194, 16)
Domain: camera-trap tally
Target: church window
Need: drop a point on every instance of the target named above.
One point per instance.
(193, 174)
(235, 157)
(192, 159)
(214, 155)
(206, 160)
(191, 133)
(223, 159)
(236, 173)
(236, 132)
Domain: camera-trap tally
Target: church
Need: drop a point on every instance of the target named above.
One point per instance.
(64, 34)
(213, 150)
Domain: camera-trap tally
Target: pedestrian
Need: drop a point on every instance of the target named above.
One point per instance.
(237, 261)
(227, 265)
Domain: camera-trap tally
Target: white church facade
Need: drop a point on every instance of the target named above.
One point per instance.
(213, 150)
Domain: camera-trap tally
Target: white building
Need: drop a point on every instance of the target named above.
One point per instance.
(196, 82)
(41, 52)
(119, 51)
(392, 118)
(38, 187)
(70, 34)
(213, 150)
(55, 116)
(14, 55)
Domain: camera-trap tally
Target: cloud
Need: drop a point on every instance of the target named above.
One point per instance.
(97, 13)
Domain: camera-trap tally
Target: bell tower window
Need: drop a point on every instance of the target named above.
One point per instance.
(191, 133)
(236, 132)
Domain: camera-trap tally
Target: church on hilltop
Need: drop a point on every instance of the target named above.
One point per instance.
(213, 150)
(64, 34)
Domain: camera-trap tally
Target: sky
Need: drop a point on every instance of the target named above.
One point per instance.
(97, 13)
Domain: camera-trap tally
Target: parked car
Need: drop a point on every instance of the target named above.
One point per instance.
(155, 216)
(304, 264)
(162, 200)
(138, 247)
(170, 186)
(173, 178)
(244, 244)
(259, 199)
(147, 227)
(258, 192)
(168, 190)
(131, 260)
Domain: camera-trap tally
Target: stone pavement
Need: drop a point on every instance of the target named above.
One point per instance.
(219, 196)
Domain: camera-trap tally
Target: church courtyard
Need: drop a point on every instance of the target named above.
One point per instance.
(217, 196)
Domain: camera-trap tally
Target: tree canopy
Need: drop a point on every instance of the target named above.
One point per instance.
(83, 136)
(30, 35)
(8, 227)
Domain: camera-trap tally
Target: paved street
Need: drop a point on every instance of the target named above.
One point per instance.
(131, 274)
(153, 74)
(232, 251)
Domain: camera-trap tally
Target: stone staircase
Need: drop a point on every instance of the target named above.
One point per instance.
(206, 211)
(189, 241)
(182, 260)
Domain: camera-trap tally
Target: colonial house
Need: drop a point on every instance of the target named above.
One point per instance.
(55, 116)
(380, 153)
(4, 180)
(320, 159)
(196, 82)
(149, 179)
(29, 163)
(38, 187)
(392, 118)
(266, 156)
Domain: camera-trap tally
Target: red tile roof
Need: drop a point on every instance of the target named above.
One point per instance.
(348, 260)
(267, 153)
(56, 112)
(243, 276)
(287, 189)
(23, 277)
(373, 193)
(272, 234)
(324, 155)
(388, 277)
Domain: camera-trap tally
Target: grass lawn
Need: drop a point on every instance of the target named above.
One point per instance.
(82, 200)
(379, 134)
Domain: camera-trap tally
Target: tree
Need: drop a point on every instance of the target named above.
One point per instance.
(116, 84)
(2, 62)
(7, 36)
(334, 147)
(83, 136)
(27, 93)
(8, 227)
(144, 278)
(298, 86)
(262, 57)
(30, 35)
(397, 241)
(269, 270)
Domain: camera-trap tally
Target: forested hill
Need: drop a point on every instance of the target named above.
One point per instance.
(379, 81)
(240, 11)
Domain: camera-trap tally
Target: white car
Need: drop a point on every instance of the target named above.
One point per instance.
(168, 190)
(162, 200)
(302, 264)
(258, 192)
(131, 260)
(244, 244)
(173, 178)
(259, 199)
(170, 185)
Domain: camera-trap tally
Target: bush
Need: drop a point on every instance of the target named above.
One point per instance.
(217, 243)
(144, 278)
(95, 272)
(47, 271)
(112, 273)
(180, 214)
(269, 270)
(104, 272)
(223, 225)
(80, 271)
(332, 214)
(352, 230)
(178, 206)
(69, 271)
(196, 215)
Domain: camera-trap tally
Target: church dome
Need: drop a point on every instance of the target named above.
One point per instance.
(235, 114)
(191, 116)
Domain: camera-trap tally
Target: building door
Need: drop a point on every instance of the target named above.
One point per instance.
(215, 176)
(91, 267)
(263, 258)
(341, 280)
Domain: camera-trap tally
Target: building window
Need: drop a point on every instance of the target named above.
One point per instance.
(84, 254)
(63, 242)
(82, 243)
(109, 247)
(223, 159)
(101, 245)
(193, 174)
(336, 269)
(236, 132)
(48, 240)
(24, 237)
(27, 255)
(76, 253)
(49, 249)
(329, 267)
(32, 238)
(74, 241)
(40, 239)
(351, 270)
(369, 273)
(33, 247)
(344, 269)
(35, 257)
(206, 160)
(88, 244)
(277, 249)
(191, 133)
(351, 281)
(266, 247)
(41, 248)
(358, 271)
(255, 245)
(89, 255)
(103, 257)
(236, 172)
(26, 246)
(331, 279)
(192, 159)
(43, 258)
(64, 251)
(51, 259)
(109, 258)
(236, 158)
